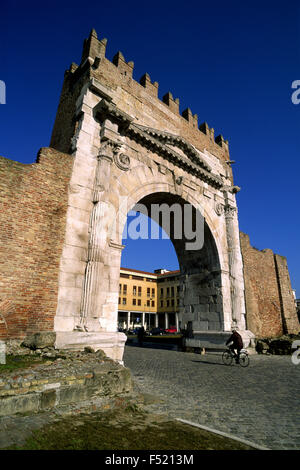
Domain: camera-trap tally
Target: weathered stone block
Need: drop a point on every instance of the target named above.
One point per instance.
(19, 404)
(48, 399)
(40, 340)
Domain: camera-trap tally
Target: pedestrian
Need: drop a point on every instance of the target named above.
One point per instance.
(236, 343)
(140, 335)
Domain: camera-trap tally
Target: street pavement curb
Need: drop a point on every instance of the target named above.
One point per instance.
(224, 434)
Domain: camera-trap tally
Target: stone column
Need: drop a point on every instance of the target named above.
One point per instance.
(93, 297)
(166, 320)
(128, 320)
(235, 267)
(156, 320)
(177, 321)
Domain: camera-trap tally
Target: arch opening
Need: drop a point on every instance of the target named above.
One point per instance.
(197, 282)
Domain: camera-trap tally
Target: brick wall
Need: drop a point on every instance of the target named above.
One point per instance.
(290, 318)
(269, 305)
(33, 201)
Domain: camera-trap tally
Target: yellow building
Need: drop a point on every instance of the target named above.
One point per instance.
(148, 299)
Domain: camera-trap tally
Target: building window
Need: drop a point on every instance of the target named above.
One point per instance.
(134, 302)
(139, 301)
(124, 301)
(120, 288)
(134, 290)
(172, 291)
(161, 303)
(168, 303)
(152, 303)
(178, 289)
(161, 292)
(168, 291)
(148, 291)
(148, 303)
(153, 292)
(172, 302)
(125, 289)
(139, 291)
(126, 276)
(119, 300)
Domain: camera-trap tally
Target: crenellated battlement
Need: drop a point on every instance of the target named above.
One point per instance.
(94, 64)
(94, 49)
(125, 68)
(152, 88)
(190, 117)
(169, 101)
(210, 132)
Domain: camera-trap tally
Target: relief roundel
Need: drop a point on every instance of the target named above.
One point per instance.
(122, 161)
(219, 208)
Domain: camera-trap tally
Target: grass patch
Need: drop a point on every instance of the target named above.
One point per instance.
(125, 429)
(21, 362)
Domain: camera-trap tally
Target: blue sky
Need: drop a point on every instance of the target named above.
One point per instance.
(232, 63)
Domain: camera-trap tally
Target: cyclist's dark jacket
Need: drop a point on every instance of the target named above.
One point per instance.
(236, 339)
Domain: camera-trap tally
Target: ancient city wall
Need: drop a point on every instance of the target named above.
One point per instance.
(287, 301)
(33, 201)
(270, 308)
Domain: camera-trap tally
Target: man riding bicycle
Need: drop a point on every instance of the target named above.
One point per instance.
(237, 343)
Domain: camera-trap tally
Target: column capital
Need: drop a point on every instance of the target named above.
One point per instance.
(108, 149)
(229, 211)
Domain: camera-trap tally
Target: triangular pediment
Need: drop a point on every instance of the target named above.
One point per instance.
(177, 144)
(175, 149)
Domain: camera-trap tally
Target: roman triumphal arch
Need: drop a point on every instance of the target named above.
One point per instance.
(119, 163)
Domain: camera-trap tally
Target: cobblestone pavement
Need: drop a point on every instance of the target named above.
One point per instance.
(259, 403)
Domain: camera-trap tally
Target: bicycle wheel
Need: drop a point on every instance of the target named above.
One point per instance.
(227, 358)
(244, 360)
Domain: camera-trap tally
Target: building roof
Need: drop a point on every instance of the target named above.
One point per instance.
(168, 273)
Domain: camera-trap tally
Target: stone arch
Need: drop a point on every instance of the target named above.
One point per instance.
(202, 287)
(154, 186)
(92, 252)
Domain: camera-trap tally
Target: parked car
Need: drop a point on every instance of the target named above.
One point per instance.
(171, 330)
(156, 332)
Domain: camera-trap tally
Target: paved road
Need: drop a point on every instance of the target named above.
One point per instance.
(259, 403)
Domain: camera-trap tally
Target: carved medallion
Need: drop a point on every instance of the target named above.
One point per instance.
(219, 208)
(122, 161)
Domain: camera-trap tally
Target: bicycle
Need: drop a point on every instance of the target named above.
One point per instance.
(228, 356)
